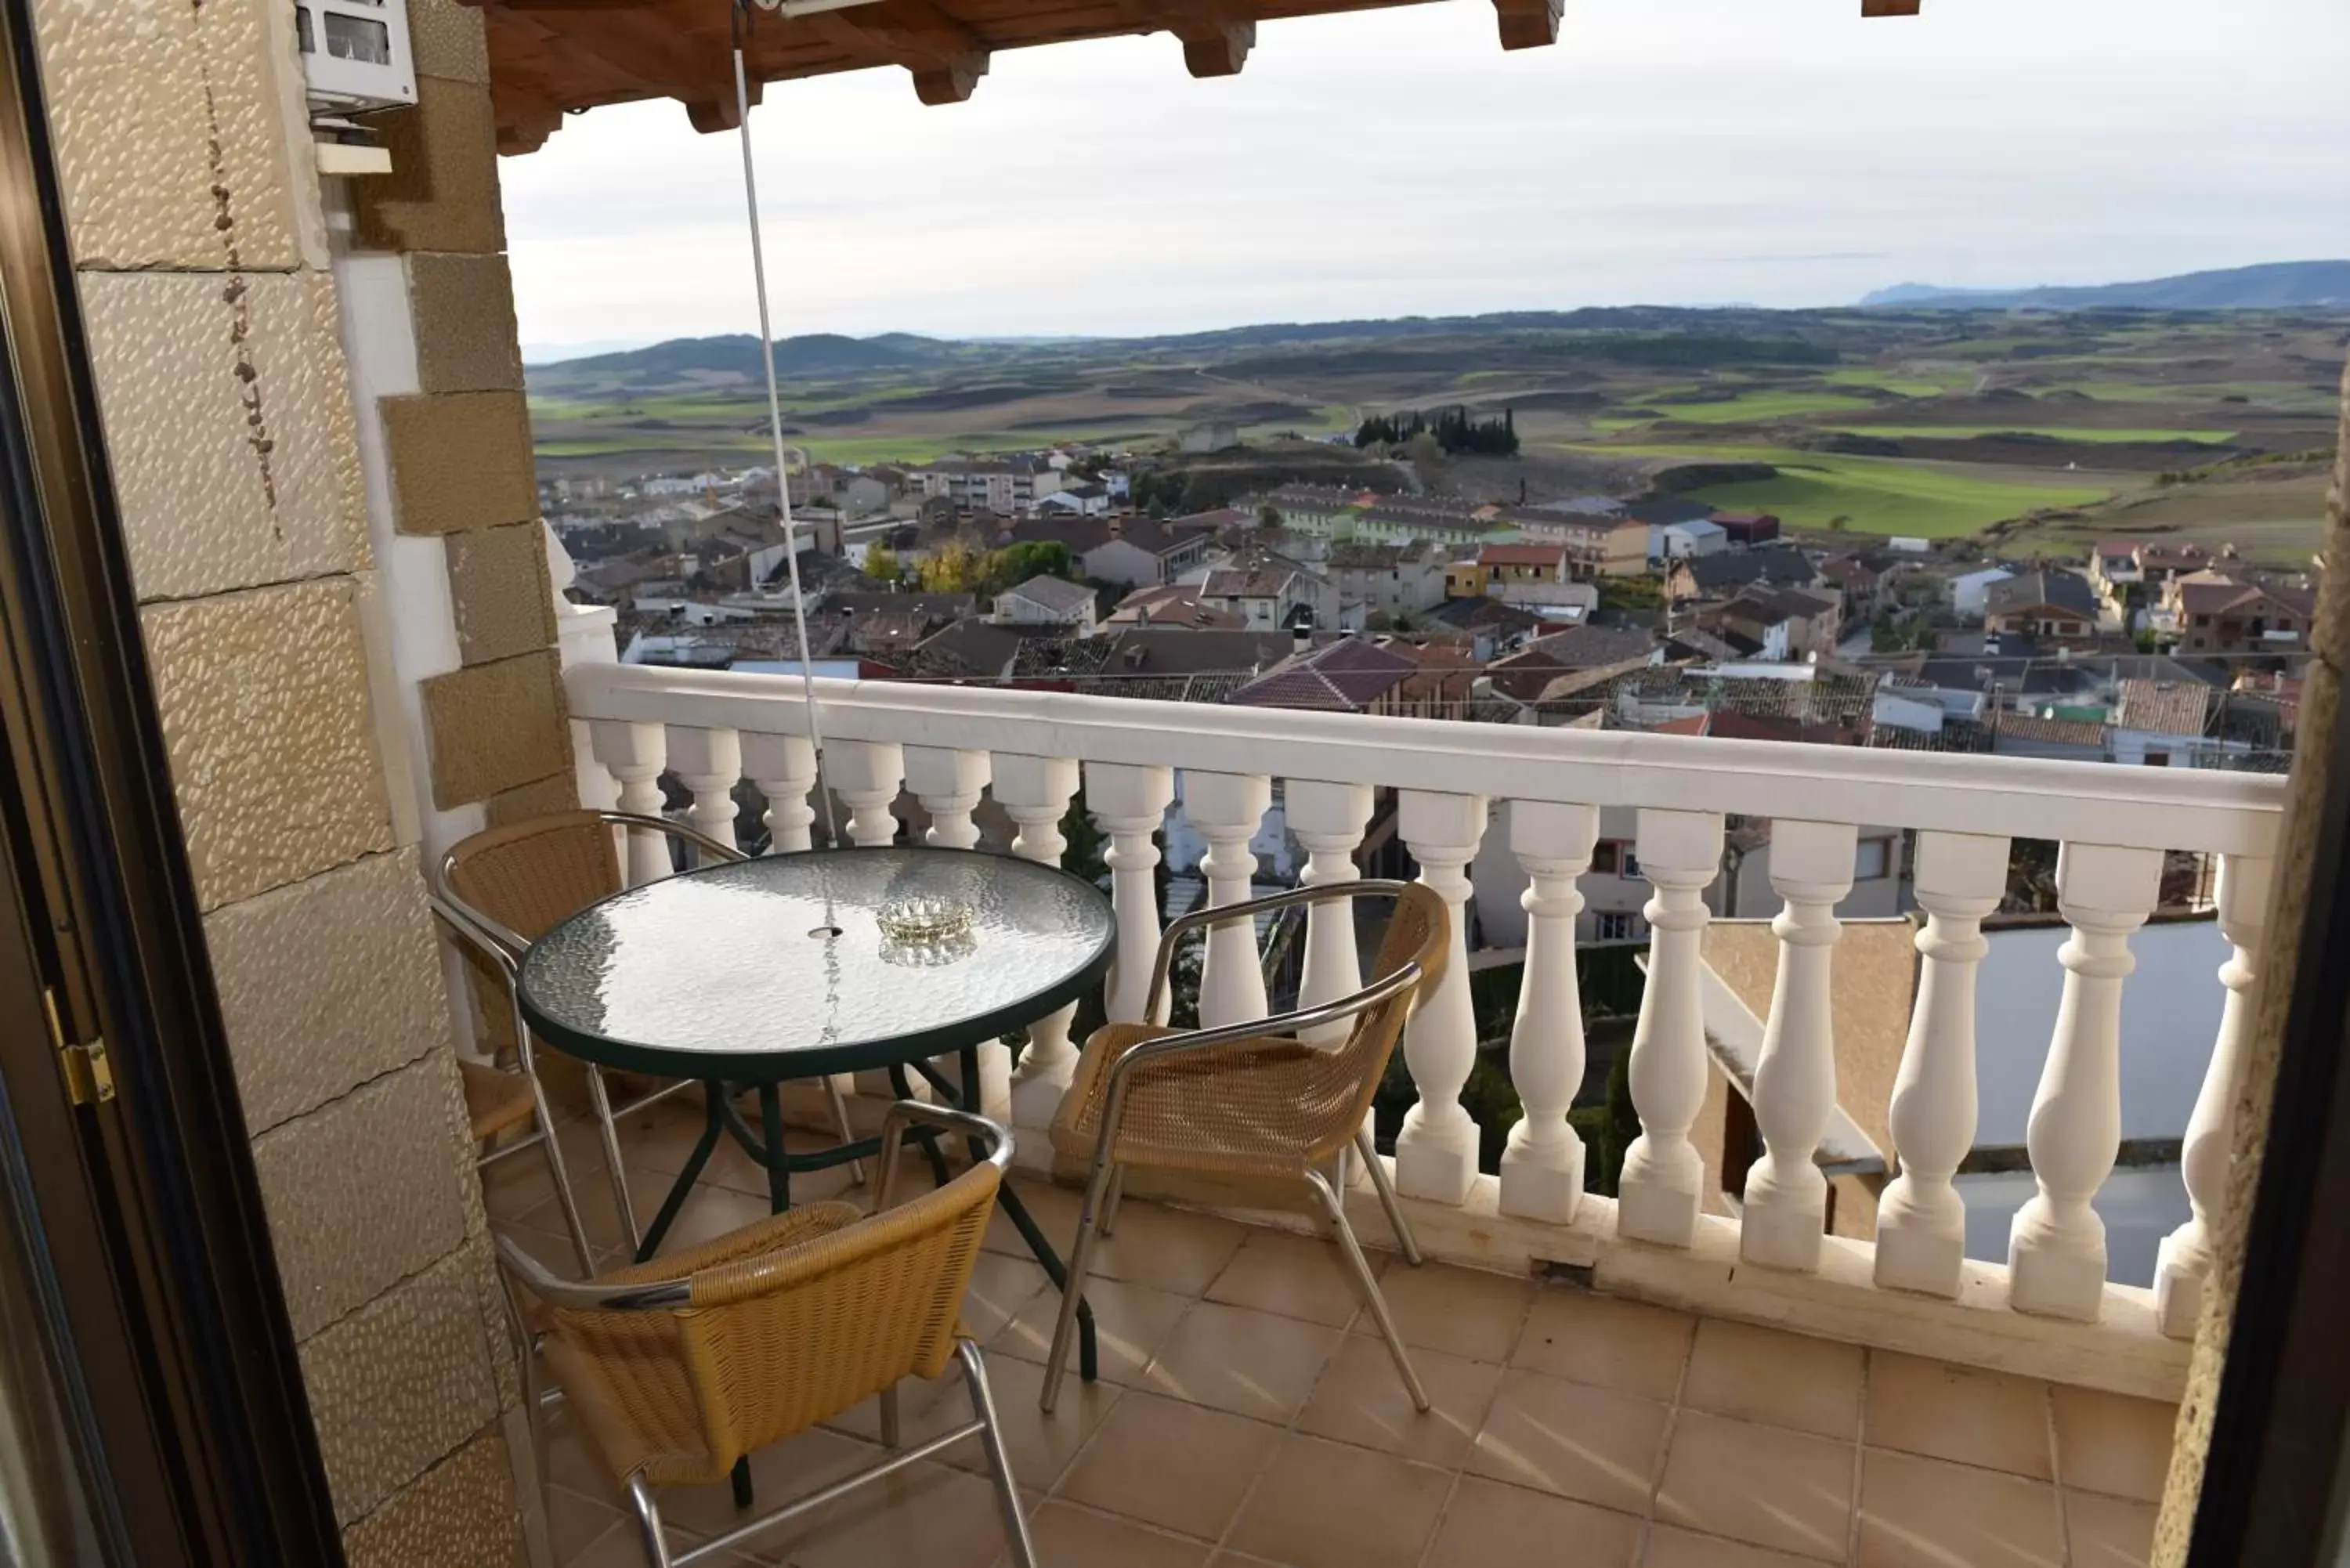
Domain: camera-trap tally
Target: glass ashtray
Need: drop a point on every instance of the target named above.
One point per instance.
(923, 922)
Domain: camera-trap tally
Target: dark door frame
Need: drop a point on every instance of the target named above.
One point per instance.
(2271, 1472)
(170, 1318)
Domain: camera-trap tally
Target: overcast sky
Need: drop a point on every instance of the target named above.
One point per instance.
(1780, 153)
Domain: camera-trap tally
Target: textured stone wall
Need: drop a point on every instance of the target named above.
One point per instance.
(199, 244)
(2320, 710)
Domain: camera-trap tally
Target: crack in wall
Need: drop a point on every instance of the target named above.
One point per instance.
(237, 295)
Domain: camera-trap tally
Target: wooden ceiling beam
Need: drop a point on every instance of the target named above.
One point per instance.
(1529, 24)
(946, 57)
(1215, 48)
(1888, 7)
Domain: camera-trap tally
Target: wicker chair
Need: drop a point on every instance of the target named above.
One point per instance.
(1251, 1099)
(680, 1367)
(503, 889)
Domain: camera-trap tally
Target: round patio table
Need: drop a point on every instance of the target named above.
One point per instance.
(752, 972)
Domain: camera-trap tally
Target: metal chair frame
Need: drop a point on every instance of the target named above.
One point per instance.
(668, 1295)
(504, 948)
(1105, 1183)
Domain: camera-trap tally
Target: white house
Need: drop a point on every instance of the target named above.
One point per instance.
(1971, 594)
(1678, 541)
(1047, 601)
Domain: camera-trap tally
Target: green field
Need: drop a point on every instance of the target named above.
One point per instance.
(1749, 407)
(1909, 382)
(2053, 432)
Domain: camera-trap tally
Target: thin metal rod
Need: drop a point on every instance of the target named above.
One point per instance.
(838, 1489)
(775, 423)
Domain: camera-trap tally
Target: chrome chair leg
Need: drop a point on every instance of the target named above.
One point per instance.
(1385, 1187)
(601, 1103)
(1369, 1286)
(1109, 1204)
(559, 1168)
(847, 1133)
(649, 1524)
(889, 1402)
(999, 1462)
(1073, 1294)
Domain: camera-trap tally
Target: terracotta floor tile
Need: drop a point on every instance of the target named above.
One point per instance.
(1000, 1285)
(1183, 1467)
(1469, 1313)
(1053, 1208)
(1361, 1400)
(1762, 1485)
(1295, 1276)
(1670, 1548)
(778, 1473)
(1947, 1412)
(573, 1523)
(1131, 1322)
(1040, 1445)
(2108, 1531)
(1606, 1341)
(1250, 1363)
(1166, 1249)
(1927, 1513)
(1080, 1538)
(1596, 1445)
(1780, 1380)
(926, 1516)
(1327, 1505)
(1490, 1525)
(2112, 1443)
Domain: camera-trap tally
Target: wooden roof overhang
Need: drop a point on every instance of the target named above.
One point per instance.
(550, 56)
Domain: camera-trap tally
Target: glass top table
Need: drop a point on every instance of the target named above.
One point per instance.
(750, 972)
(791, 966)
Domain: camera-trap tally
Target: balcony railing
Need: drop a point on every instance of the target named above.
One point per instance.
(1912, 1287)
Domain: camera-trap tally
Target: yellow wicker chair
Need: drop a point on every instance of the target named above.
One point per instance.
(500, 891)
(680, 1367)
(1251, 1099)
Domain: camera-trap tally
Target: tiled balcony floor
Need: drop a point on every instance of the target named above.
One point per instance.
(1248, 1415)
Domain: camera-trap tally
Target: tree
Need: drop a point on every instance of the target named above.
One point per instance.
(881, 562)
(1839, 523)
(952, 568)
(1268, 515)
(1016, 564)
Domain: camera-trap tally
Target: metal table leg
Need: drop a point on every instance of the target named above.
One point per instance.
(713, 1099)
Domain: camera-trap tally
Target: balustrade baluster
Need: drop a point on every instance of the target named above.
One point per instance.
(1227, 809)
(1035, 792)
(707, 763)
(1542, 1167)
(1131, 803)
(949, 785)
(2056, 1247)
(2184, 1260)
(1922, 1221)
(637, 752)
(784, 769)
(1659, 1190)
(1795, 1081)
(1329, 819)
(1436, 1152)
(866, 775)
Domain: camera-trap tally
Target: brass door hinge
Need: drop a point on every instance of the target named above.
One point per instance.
(89, 1077)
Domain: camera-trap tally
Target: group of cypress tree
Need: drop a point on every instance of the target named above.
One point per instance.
(1453, 428)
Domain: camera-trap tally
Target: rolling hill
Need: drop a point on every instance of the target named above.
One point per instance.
(2278, 285)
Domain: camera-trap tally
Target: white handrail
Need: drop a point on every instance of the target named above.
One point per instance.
(2024, 797)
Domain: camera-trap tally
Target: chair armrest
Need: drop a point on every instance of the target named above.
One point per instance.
(1155, 1008)
(661, 824)
(497, 942)
(1144, 1052)
(902, 1111)
(580, 1296)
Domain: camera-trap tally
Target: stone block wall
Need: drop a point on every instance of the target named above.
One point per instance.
(201, 248)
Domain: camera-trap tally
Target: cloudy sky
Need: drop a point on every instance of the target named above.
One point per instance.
(1780, 153)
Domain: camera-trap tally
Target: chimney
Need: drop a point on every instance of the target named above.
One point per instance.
(1302, 641)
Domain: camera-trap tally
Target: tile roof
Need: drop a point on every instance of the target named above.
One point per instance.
(2163, 707)
(1550, 555)
(2059, 590)
(1732, 570)
(1174, 605)
(1345, 676)
(1058, 593)
(2063, 731)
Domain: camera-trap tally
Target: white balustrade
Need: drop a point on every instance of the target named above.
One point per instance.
(947, 745)
(1130, 804)
(2056, 1247)
(1226, 810)
(1035, 792)
(949, 785)
(2184, 1260)
(707, 763)
(1922, 1221)
(865, 775)
(636, 753)
(1542, 1167)
(1436, 1152)
(1661, 1190)
(1329, 819)
(784, 769)
(1796, 1078)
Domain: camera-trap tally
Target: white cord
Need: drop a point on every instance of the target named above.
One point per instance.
(775, 427)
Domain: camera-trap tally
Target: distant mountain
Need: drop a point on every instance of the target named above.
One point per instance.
(2278, 285)
(737, 354)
